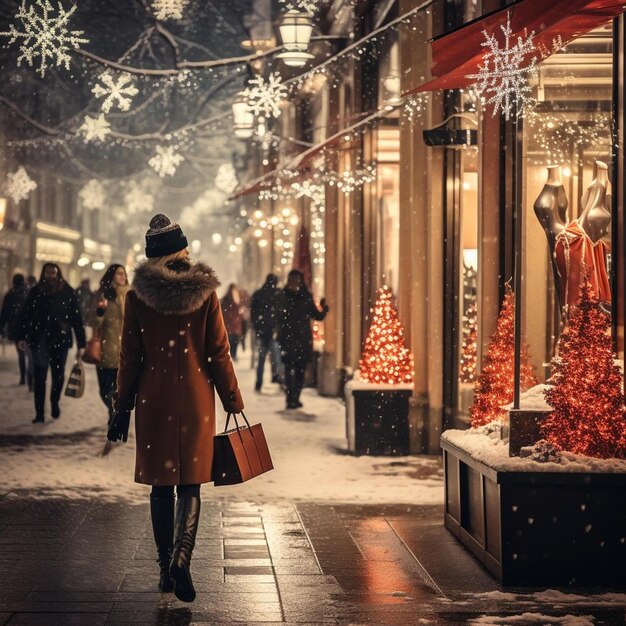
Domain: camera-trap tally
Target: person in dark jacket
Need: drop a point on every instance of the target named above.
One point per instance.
(263, 316)
(12, 305)
(233, 318)
(85, 296)
(296, 309)
(50, 314)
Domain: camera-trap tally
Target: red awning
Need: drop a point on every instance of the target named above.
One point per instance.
(458, 54)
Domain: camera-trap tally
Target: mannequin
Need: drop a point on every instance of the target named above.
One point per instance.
(551, 211)
(584, 244)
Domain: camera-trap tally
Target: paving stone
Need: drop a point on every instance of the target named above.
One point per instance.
(57, 619)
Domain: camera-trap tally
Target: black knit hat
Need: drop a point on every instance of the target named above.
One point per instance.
(163, 237)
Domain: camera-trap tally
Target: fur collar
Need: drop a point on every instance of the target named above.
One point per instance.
(171, 292)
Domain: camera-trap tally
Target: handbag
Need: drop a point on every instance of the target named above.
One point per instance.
(75, 387)
(240, 454)
(93, 349)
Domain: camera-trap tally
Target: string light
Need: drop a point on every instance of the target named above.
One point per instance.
(385, 358)
(494, 387)
(587, 397)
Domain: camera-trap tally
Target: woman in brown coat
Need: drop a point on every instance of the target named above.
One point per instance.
(174, 354)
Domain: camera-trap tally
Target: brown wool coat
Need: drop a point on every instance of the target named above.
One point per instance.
(174, 353)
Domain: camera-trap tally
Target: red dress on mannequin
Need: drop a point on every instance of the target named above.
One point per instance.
(574, 251)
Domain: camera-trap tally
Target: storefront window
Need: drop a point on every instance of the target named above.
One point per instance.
(566, 187)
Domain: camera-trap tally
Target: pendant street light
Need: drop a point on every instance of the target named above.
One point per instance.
(295, 33)
(243, 118)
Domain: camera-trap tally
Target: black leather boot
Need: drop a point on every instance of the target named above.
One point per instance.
(162, 514)
(186, 527)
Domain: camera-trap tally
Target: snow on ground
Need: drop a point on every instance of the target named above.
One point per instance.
(494, 452)
(61, 458)
(534, 618)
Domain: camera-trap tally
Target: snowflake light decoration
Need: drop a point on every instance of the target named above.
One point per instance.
(264, 97)
(503, 76)
(166, 161)
(44, 36)
(226, 178)
(95, 128)
(169, 9)
(308, 189)
(93, 194)
(349, 180)
(138, 201)
(19, 185)
(117, 92)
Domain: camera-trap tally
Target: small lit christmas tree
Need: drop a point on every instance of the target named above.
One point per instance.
(385, 358)
(495, 386)
(469, 352)
(587, 395)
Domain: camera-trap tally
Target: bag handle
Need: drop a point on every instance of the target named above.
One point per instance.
(235, 418)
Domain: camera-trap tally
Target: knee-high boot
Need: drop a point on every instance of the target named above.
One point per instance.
(186, 527)
(162, 514)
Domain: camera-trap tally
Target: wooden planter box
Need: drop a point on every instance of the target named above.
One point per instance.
(538, 528)
(377, 419)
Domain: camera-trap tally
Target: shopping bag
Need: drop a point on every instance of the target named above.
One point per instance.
(240, 454)
(76, 384)
(93, 350)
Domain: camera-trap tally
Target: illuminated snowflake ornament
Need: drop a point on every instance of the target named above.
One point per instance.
(308, 189)
(93, 195)
(44, 36)
(264, 97)
(415, 105)
(226, 178)
(138, 201)
(19, 185)
(169, 9)
(502, 81)
(95, 128)
(166, 161)
(116, 92)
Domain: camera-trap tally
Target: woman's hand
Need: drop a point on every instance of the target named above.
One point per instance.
(102, 303)
(118, 430)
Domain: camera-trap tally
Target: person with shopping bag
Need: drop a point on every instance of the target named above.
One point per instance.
(51, 312)
(174, 356)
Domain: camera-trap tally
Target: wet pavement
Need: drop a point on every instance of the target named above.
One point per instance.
(92, 562)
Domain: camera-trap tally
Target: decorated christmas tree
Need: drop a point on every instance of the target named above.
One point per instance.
(469, 353)
(385, 358)
(495, 386)
(587, 395)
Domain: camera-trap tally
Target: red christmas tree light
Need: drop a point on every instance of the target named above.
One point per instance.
(385, 358)
(469, 350)
(587, 395)
(495, 386)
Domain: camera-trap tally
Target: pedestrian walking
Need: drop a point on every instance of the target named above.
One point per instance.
(85, 296)
(244, 299)
(264, 319)
(233, 318)
(106, 316)
(174, 354)
(12, 305)
(51, 312)
(295, 311)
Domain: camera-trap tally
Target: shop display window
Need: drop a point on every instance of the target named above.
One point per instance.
(566, 189)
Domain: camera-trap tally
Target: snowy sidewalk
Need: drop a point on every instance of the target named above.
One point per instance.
(60, 458)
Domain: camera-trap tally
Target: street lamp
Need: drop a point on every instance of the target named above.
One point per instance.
(295, 32)
(243, 118)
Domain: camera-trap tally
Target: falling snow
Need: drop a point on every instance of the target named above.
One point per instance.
(138, 201)
(502, 81)
(44, 35)
(95, 128)
(166, 161)
(116, 92)
(169, 9)
(93, 194)
(264, 97)
(19, 185)
(308, 6)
